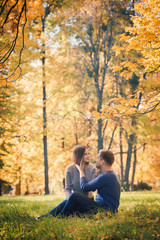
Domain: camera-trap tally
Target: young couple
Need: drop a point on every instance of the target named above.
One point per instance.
(81, 179)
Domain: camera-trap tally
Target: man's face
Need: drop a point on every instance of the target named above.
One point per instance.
(98, 162)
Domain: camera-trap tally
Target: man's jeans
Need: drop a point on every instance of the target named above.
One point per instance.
(77, 203)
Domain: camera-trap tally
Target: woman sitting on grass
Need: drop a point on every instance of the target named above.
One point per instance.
(106, 184)
(72, 179)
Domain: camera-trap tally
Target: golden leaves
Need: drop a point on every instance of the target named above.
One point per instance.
(146, 33)
(43, 37)
(125, 74)
(35, 10)
(119, 108)
(129, 65)
(117, 68)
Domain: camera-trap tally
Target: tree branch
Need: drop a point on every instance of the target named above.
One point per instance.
(104, 128)
(13, 43)
(7, 55)
(112, 137)
(132, 151)
(86, 117)
(6, 18)
(150, 110)
(3, 6)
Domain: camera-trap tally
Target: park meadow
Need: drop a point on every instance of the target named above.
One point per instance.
(138, 218)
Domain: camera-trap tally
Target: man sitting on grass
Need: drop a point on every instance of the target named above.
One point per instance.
(106, 184)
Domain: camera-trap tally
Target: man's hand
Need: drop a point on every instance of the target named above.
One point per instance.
(81, 168)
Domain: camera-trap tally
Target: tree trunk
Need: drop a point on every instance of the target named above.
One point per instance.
(0, 187)
(44, 115)
(128, 163)
(100, 138)
(121, 153)
(75, 132)
(134, 168)
(20, 179)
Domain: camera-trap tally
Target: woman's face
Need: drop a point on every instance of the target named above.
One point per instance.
(86, 156)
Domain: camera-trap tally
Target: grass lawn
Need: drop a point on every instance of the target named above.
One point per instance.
(138, 218)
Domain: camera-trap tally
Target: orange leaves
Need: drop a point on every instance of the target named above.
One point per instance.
(123, 37)
(144, 36)
(119, 108)
(38, 27)
(13, 15)
(117, 68)
(146, 28)
(125, 74)
(97, 115)
(129, 65)
(35, 10)
(118, 49)
(43, 37)
(100, 215)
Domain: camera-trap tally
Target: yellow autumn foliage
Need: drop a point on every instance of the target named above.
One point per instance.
(146, 33)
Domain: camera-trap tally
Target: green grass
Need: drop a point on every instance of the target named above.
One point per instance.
(138, 218)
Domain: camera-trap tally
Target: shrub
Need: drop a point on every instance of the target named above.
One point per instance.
(142, 186)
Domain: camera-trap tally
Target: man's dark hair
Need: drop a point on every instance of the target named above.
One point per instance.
(107, 156)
